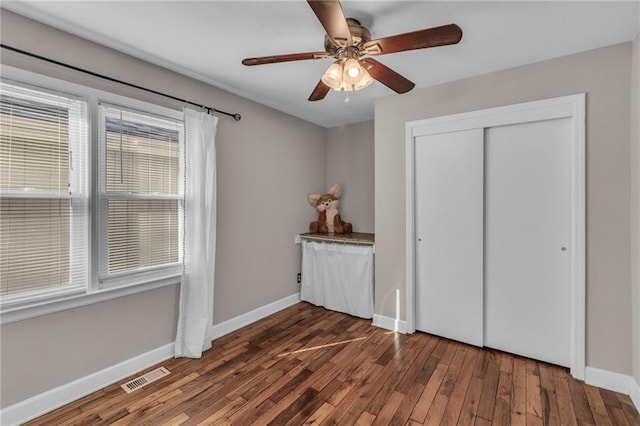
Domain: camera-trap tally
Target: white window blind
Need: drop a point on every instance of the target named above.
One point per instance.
(43, 193)
(141, 183)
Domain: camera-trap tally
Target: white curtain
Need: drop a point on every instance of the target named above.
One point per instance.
(196, 290)
(338, 276)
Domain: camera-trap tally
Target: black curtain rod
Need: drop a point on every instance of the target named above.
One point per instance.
(236, 116)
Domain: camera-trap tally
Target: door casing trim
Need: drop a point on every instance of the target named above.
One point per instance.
(572, 107)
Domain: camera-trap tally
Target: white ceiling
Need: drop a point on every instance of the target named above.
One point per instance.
(208, 39)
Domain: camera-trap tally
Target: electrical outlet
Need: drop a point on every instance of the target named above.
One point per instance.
(299, 277)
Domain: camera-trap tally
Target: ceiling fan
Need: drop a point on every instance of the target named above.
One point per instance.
(348, 41)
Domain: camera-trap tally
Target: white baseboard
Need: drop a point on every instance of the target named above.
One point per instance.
(229, 326)
(50, 400)
(635, 394)
(390, 323)
(616, 382)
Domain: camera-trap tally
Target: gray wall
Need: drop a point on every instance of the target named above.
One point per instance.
(350, 162)
(605, 75)
(267, 165)
(635, 203)
(266, 168)
(48, 351)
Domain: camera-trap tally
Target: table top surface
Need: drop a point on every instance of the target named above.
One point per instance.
(354, 237)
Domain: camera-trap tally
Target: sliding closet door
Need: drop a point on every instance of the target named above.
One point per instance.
(527, 235)
(449, 234)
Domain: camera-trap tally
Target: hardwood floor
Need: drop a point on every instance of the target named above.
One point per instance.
(307, 365)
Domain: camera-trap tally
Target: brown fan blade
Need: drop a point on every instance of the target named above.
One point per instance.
(284, 58)
(319, 92)
(332, 18)
(430, 37)
(388, 77)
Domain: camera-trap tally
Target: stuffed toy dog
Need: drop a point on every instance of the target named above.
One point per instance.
(329, 220)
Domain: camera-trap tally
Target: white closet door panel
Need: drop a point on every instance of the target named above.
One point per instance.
(449, 235)
(527, 219)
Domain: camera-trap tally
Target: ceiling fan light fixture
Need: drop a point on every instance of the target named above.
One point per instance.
(332, 77)
(347, 74)
(362, 80)
(355, 76)
(352, 68)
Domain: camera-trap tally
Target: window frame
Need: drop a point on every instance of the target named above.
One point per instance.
(110, 280)
(93, 292)
(76, 195)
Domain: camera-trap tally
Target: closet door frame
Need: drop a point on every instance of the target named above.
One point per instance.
(572, 107)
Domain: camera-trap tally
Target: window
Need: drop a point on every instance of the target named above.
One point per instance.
(43, 196)
(91, 196)
(141, 193)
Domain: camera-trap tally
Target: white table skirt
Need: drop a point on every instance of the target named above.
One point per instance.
(338, 276)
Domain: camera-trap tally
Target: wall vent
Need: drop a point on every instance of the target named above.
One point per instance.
(145, 379)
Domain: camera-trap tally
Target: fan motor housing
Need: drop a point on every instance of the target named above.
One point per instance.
(359, 34)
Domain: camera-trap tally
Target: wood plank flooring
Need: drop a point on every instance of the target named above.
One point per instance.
(309, 366)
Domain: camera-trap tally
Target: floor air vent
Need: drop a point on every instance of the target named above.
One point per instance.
(145, 379)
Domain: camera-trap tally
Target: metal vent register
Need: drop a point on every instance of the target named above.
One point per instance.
(145, 379)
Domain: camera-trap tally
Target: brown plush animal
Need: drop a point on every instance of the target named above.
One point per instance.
(329, 219)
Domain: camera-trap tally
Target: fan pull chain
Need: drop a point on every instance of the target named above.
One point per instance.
(346, 99)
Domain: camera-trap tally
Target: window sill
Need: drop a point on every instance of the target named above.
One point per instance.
(71, 302)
